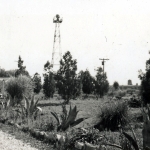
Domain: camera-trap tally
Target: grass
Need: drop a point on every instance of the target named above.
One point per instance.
(88, 108)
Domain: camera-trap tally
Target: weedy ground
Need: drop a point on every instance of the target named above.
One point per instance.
(88, 108)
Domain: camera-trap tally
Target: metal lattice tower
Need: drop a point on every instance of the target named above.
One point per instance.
(57, 54)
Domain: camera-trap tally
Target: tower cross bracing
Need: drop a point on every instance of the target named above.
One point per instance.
(56, 54)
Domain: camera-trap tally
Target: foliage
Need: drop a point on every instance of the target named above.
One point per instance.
(67, 120)
(119, 93)
(101, 83)
(21, 69)
(49, 82)
(37, 83)
(116, 85)
(135, 102)
(68, 83)
(30, 110)
(82, 135)
(146, 127)
(145, 83)
(9, 73)
(112, 115)
(18, 87)
(87, 82)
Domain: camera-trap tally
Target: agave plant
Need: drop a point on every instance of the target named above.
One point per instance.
(146, 128)
(67, 120)
(30, 110)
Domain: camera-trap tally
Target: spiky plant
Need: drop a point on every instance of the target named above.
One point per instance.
(146, 128)
(67, 120)
(30, 109)
(112, 115)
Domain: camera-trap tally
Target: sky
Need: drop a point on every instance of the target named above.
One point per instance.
(91, 29)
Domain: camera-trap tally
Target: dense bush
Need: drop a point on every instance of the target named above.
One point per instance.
(117, 93)
(130, 91)
(112, 115)
(18, 87)
(135, 102)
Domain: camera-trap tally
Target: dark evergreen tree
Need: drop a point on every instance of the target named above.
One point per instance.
(37, 83)
(49, 82)
(101, 83)
(116, 85)
(68, 83)
(145, 83)
(87, 82)
(21, 69)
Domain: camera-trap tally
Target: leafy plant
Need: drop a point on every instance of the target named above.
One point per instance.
(67, 120)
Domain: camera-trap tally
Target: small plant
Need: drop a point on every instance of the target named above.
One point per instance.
(146, 128)
(82, 135)
(30, 110)
(67, 120)
(112, 116)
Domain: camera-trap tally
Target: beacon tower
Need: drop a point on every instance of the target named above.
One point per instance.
(56, 54)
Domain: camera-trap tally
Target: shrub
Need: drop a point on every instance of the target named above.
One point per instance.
(134, 102)
(112, 115)
(18, 87)
(130, 91)
(120, 93)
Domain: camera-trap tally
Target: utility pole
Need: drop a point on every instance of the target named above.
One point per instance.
(103, 63)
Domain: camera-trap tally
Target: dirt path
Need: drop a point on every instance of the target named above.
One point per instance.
(13, 139)
(8, 142)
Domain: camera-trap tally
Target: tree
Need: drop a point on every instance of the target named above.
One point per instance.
(21, 69)
(87, 82)
(101, 83)
(116, 85)
(49, 82)
(145, 83)
(37, 83)
(68, 83)
(9, 73)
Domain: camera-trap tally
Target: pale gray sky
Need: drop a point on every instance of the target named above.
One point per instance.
(91, 29)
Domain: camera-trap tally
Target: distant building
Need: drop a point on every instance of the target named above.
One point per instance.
(129, 82)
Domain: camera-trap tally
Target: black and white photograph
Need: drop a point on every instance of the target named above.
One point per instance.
(74, 75)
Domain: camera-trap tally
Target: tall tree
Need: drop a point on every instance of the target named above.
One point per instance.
(116, 85)
(87, 82)
(49, 82)
(21, 69)
(68, 83)
(101, 83)
(145, 83)
(37, 83)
